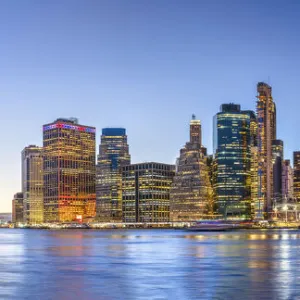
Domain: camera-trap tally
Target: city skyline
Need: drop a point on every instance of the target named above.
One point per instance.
(146, 62)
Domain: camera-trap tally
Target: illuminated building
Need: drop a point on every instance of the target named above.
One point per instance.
(191, 192)
(256, 206)
(69, 171)
(297, 176)
(32, 184)
(232, 149)
(146, 192)
(277, 154)
(287, 180)
(17, 208)
(266, 117)
(113, 155)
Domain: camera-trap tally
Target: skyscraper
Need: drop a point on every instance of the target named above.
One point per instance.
(256, 206)
(191, 192)
(69, 171)
(266, 117)
(113, 155)
(287, 180)
(146, 192)
(232, 149)
(277, 156)
(297, 176)
(17, 208)
(32, 184)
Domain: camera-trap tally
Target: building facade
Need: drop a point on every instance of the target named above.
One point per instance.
(32, 184)
(17, 208)
(266, 117)
(69, 171)
(146, 192)
(191, 192)
(277, 154)
(287, 181)
(232, 150)
(296, 158)
(113, 155)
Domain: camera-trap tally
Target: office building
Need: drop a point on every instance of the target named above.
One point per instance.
(287, 181)
(146, 192)
(266, 117)
(296, 172)
(32, 184)
(232, 150)
(69, 171)
(17, 208)
(113, 155)
(277, 154)
(191, 192)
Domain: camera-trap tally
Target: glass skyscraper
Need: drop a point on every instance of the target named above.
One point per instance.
(232, 150)
(32, 184)
(113, 155)
(69, 156)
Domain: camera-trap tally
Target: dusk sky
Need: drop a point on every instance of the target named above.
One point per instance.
(143, 65)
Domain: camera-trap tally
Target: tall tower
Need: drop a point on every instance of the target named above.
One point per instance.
(113, 155)
(191, 192)
(297, 176)
(266, 117)
(69, 171)
(232, 186)
(32, 184)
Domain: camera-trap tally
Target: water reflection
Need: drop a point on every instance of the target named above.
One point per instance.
(148, 264)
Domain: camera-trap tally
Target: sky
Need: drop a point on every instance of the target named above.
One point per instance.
(143, 65)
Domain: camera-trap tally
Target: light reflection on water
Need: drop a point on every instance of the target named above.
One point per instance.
(149, 264)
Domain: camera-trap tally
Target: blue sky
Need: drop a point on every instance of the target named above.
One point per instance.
(144, 65)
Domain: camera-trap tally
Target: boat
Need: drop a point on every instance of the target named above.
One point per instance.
(212, 226)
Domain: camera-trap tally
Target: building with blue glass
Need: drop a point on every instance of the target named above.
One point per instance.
(232, 152)
(113, 155)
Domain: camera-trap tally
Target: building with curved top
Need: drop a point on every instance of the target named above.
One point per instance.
(113, 155)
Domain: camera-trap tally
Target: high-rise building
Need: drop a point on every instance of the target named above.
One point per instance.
(287, 180)
(113, 155)
(232, 149)
(17, 208)
(146, 192)
(69, 171)
(266, 117)
(277, 155)
(32, 184)
(297, 176)
(256, 206)
(191, 195)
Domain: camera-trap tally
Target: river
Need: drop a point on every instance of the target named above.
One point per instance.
(149, 264)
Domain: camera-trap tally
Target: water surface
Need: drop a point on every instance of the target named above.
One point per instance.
(149, 264)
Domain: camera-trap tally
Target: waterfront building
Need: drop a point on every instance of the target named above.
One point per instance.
(296, 157)
(32, 184)
(266, 117)
(277, 154)
(146, 192)
(287, 180)
(69, 171)
(17, 208)
(191, 195)
(232, 150)
(113, 155)
(256, 205)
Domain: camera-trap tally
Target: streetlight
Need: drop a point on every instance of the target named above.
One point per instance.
(285, 208)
